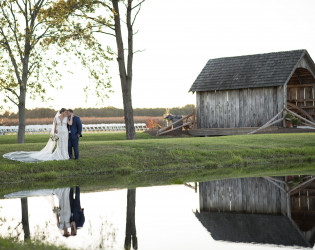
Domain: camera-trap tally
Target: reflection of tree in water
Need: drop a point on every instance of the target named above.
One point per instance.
(25, 222)
(15, 231)
(22, 226)
(131, 234)
(105, 238)
(39, 233)
(2, 219)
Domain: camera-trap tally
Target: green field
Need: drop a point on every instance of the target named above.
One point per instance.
(108, 160)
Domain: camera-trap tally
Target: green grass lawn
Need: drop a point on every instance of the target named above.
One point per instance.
(149, 160)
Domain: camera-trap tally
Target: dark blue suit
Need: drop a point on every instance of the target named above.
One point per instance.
(77, 213)
(74, 130)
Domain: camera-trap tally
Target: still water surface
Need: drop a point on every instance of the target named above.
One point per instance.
(209, 215)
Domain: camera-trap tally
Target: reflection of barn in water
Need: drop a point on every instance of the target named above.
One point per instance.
(259, 210)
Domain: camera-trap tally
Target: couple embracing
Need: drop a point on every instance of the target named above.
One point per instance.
(65, 133)
(68, 129)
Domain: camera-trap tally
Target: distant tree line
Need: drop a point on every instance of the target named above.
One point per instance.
(101, 112)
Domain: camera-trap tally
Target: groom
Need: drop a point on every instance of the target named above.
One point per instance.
(77, 213)
(75, 131)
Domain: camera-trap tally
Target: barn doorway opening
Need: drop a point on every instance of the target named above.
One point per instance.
(301, 94)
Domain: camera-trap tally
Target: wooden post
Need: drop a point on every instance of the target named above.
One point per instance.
(284, 115)
(284, 103)
(288, 198)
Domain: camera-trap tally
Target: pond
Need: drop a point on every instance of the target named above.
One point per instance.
(241, 213)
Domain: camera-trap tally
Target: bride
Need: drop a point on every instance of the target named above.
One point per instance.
(59, 135)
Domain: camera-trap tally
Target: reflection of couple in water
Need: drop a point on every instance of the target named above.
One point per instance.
(69, 214)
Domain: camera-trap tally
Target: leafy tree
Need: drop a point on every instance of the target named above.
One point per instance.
(21, 54)
(109, 22)
(25, 64)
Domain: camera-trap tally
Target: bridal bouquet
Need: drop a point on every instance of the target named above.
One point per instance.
(56, 210)
(54, 137)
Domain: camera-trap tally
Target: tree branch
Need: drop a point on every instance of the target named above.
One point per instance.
(137, 51)
(14, 33)
(137, 5)
(7, 18)
(134, 19)
(12, 91)
(20, 7)
(104, 4)
(26, 13)
(37, 7)
(120, 45)
(12, 101)
(111, 26)
(11, 55)
(130, 41)
(39, 37)
(106, 33)
(31, 67)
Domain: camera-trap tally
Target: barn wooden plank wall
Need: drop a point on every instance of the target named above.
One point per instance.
(243, 195)
(251, 107)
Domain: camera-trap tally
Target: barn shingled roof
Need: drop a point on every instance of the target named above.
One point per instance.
(251, 71)
(252, 228)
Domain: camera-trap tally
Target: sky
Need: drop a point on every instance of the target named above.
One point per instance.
(179, 37)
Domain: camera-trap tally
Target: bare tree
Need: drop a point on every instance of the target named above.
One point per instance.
(110, 23)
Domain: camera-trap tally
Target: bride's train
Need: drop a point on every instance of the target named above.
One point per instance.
(47, 153)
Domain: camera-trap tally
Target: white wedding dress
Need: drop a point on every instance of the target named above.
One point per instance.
(47, 153)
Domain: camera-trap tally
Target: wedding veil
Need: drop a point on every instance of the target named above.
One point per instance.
(48, 149)
(36, 156)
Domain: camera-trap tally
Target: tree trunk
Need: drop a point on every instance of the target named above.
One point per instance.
(128, 114)
(22, 123)
(125, 76)
(25, 69)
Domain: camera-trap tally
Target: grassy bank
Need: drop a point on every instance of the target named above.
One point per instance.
(10, 244)
(162, 159)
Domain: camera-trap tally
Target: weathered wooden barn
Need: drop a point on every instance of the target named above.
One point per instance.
(248, 91)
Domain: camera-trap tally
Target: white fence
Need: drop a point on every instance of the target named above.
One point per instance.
(87, 128)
